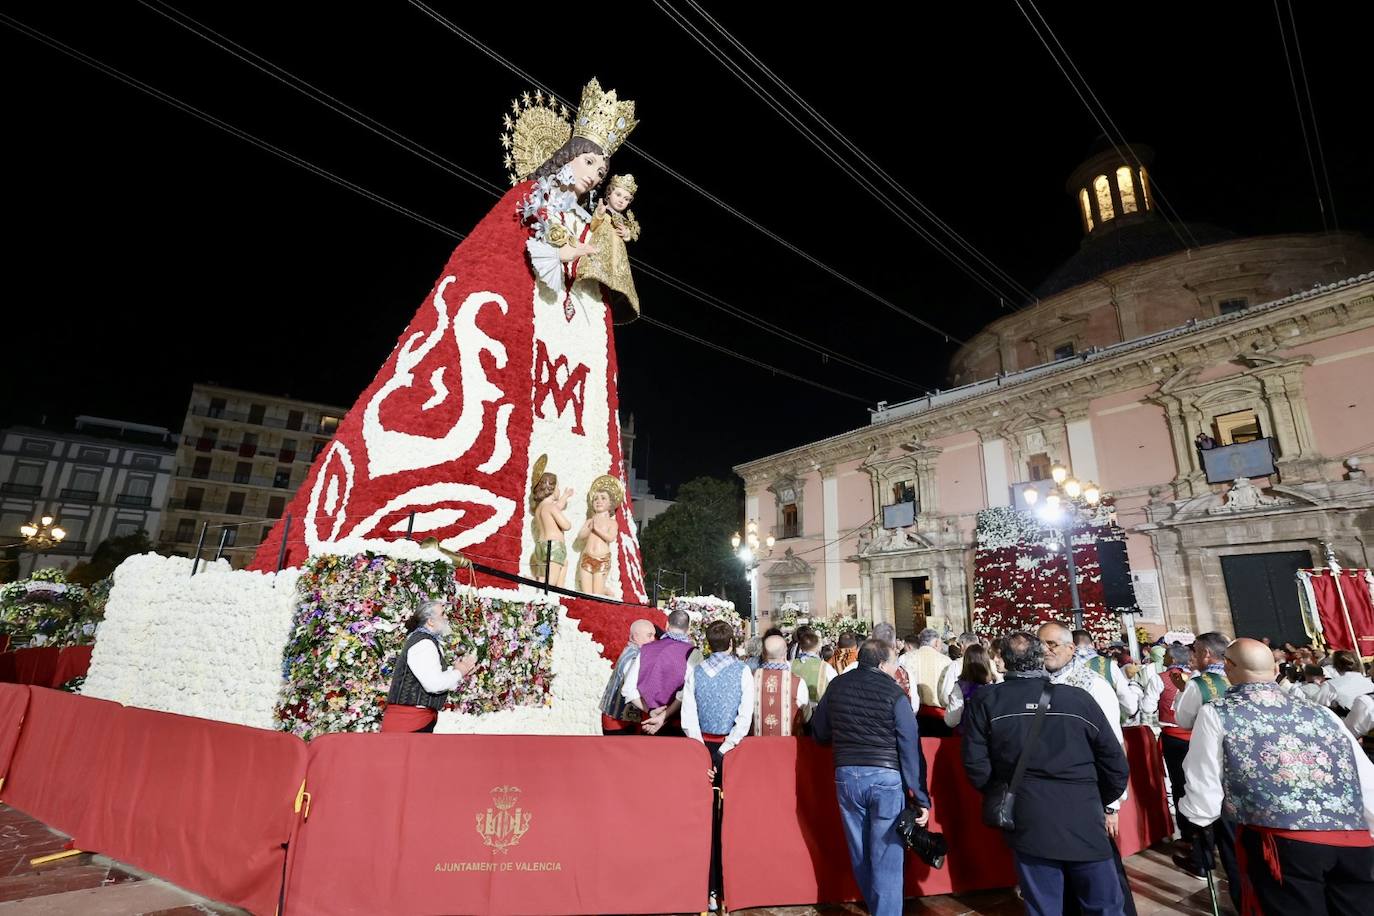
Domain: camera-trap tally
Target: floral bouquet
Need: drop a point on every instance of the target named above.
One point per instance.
(705, 610)
(830, 628)
(513, 641)
(47, 610)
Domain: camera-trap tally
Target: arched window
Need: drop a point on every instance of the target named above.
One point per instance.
(1104, 197)
(1126, 189)
(1145, 188)
(1087, 208)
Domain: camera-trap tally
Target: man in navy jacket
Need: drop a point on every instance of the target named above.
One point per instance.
(1075, 769)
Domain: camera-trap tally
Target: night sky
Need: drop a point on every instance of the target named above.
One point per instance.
(147, 250)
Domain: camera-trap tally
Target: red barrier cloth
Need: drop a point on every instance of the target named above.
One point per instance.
(59, 764)
(72, 662)
(14, 703)
(36, 666)
(783, 842)
(1145, 816)
(206, 805)
(502, 824)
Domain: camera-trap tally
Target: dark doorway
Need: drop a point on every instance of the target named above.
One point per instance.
(1264, 595)
(910, 604)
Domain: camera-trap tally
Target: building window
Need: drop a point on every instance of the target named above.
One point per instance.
(86, 479)
(317, 447)
(329, 424)
(217, 406)
(851, 603)
(294, 419)
(1038, 467)
(186, 530)
(283, 479)
(124, 529)
(28, 473)
(1126, 188)
(1231, 306)
(138, 486)
(791, 521)
(1145, 188)
(201, 468)
(243, 472)
(255, 413)
(234, 504)
(1087, 207)
(195, 497)
(230, 533)
(94, 454)
(288, 451)
(904, 491)
(75, 526)
(1103, 189)
(36, 447)
(145, 461)
(1237, 427)
(276, 506)
(1064, 350)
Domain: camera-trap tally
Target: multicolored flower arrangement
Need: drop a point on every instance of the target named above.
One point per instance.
(1020, 583)
(47, 610)
(350, 628)
(830, 628)
(705, 610)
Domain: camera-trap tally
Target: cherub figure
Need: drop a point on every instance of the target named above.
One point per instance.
(597, 534)
(548, 505)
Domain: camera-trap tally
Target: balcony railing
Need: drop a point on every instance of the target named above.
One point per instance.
(80, 496)
(268, 422)
(188, 505)
(21, 489)
(243, 480)
(130, 501)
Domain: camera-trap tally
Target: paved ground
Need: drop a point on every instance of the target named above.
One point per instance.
(93, 885)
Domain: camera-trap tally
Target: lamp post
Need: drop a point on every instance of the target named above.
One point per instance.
(751, 551)
(1070, 503)
(42, 535)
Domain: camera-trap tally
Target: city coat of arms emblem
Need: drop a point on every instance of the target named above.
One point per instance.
(502, 825)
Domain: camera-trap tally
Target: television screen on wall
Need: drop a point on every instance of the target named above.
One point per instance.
(1230, 462)
(899, 515)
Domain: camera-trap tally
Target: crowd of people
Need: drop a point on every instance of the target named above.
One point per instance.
(1262, 746)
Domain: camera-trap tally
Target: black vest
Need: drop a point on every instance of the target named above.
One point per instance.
(406, 689)
(863, 727)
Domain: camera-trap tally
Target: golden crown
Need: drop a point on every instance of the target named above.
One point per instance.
(602, 119)
(626, 181)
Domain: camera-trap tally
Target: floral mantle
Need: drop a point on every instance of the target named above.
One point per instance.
(1020, 583)
(350, 628)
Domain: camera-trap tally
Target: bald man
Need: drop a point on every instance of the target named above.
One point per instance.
(1301, 789)
(779, 695)
(618, 716)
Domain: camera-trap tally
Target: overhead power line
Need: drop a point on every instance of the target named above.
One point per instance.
(993, 284)
(673, 173)
(1302, 120)
(322, 172)
(281, 74)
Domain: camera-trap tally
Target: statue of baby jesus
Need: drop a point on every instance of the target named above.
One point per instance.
(597, 534)
(547, 505)
(612, 226)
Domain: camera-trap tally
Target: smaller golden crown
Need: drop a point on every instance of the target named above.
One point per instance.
(505, 797)
(626, 181)
(602, 119)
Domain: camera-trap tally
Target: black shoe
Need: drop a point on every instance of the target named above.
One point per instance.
(1188, 866)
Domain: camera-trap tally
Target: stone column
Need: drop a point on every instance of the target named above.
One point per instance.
(1082, 451)
(830, 523)
(996, 485)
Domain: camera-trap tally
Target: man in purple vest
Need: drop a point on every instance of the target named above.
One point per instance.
(654, 681)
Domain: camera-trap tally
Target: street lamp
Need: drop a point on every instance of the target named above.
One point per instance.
(751, 551)
(42, 534)
(1071, 503)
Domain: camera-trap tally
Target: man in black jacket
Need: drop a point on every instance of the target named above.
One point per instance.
(878, 764)
(1075, 769)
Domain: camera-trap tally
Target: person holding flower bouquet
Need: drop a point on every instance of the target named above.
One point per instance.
(420, 683)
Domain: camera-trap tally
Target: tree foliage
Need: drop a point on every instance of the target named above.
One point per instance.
(693, 537)
(110, 553)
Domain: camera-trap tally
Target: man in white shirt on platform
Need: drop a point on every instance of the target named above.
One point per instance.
(420, 683)
(1340, 692)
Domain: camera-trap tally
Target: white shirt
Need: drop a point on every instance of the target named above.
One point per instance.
(1127, 692)
(1360, 722)
(1202, 801)
(1106, 699)
(1308, 691)
(1342, 689)
(1154, 687)
(1187, 702)
(423, 659)
(630, 689)
(744, 717)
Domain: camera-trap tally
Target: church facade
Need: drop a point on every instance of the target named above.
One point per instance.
(1155, 359)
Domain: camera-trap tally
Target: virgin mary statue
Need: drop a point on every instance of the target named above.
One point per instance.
(509, 359)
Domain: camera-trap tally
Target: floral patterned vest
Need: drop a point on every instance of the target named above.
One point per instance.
(718, 692)
(1287, 764)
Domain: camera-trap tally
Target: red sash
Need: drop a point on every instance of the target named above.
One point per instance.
(611, 724)
(407, 718)
(1249, 903)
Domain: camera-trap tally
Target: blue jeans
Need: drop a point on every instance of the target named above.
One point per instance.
(1046, 882)
(871, 799)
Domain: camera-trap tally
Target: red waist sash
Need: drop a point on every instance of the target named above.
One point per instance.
(407, 718)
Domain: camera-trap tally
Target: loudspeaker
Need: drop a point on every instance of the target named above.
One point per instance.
(1117, 590)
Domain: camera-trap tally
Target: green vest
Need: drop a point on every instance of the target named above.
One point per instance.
(809, 670)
